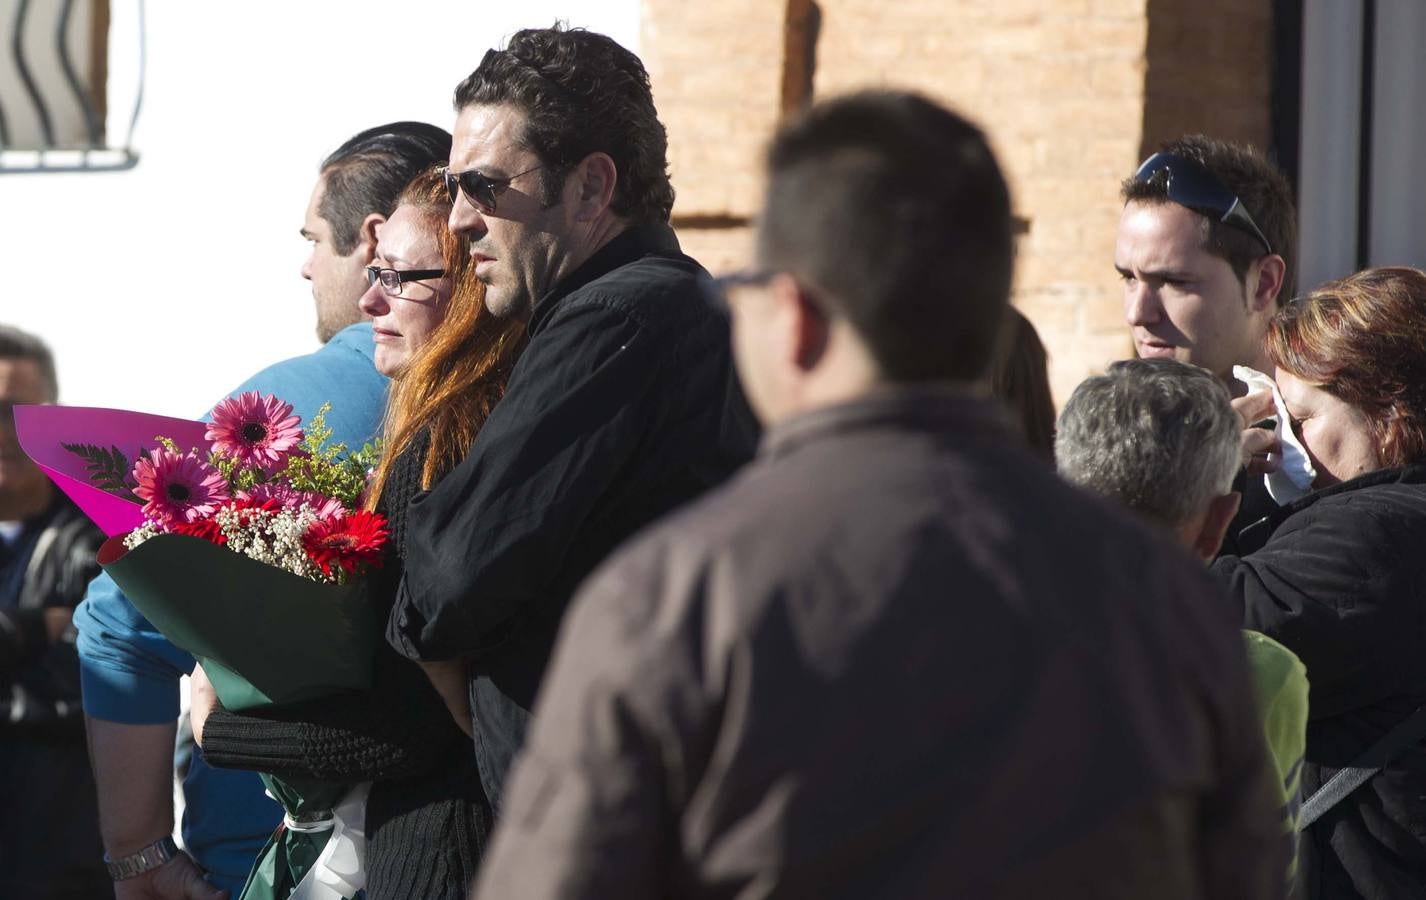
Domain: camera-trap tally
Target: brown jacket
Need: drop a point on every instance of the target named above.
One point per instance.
(894, 657)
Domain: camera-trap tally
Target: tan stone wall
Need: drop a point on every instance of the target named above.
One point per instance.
(1069, 91)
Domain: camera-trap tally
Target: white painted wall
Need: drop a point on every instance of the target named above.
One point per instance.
(162, 287)
(1328, 192)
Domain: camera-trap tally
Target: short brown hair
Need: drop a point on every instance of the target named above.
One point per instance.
(1363, 340)
(1259, 184)
(17, 344)
(896, 210)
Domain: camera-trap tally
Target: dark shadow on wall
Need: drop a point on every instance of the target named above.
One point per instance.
(801, 28)
(1208, 68)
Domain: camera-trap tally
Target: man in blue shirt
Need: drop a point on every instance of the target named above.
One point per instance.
(130, 672)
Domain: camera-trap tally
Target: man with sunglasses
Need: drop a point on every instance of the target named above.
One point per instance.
(1206, 250)
(130, 671)
(623, 405)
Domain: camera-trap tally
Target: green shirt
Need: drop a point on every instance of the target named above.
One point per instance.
(1280, 679)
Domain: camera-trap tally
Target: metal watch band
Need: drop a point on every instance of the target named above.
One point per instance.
(145, 860)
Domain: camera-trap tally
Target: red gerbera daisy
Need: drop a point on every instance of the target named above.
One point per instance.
(178, 487)
(255, 430)
(207, 529)
(350, 542)
(248, 508)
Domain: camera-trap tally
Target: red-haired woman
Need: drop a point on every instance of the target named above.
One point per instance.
(1341, 580)
(427, 817)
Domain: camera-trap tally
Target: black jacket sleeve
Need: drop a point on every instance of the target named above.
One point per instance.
(397, 729)
(22, 637)
(41, 676)
(491, 536)
(1337, 586)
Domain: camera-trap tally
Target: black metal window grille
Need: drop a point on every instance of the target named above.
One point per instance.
(39, 130)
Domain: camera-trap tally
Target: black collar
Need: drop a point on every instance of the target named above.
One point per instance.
(1254, 536)
(633, 243)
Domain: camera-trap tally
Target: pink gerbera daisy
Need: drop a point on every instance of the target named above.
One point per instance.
(291, 498)
(178, 487)
(284, 494)
(255, 430)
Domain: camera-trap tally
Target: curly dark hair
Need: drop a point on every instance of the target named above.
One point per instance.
(580, 93)
(1261, 186)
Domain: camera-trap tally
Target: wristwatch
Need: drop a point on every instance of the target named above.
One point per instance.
(145, 860)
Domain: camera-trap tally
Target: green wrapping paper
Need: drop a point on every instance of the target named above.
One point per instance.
(264, 637)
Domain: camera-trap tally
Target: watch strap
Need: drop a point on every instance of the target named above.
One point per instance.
(145, 860)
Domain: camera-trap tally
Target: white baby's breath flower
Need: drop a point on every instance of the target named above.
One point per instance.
(139, 535)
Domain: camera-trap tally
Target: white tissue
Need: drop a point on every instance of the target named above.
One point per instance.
(1294, 475)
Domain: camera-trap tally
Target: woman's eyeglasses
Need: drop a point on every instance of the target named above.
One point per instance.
(393, 281)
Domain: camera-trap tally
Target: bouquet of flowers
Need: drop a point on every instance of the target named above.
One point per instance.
(264, 489)
(244, 541)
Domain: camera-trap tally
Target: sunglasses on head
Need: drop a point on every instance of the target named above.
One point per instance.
(1190, 184)
(480, 189)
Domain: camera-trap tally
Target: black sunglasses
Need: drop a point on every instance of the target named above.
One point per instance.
(1190, 184)
(481, 189)
(393, 279)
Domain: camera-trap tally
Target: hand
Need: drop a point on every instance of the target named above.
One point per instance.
(202, 700)
(178, 879)
(1258, 443)
(57, 621)
(451, 682)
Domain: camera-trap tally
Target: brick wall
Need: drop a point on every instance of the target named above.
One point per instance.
(1200, 74)
(1070, 92)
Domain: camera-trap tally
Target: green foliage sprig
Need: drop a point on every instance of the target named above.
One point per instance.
(330, 469)
(109, 470)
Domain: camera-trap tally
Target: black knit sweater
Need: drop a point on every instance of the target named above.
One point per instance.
(427, 817)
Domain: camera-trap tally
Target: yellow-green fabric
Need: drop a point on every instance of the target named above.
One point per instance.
(1280, 679)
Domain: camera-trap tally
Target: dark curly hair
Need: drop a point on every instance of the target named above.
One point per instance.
(580, 93)
(1261, 186)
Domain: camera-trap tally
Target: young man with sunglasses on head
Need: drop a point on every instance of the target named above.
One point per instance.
(623, 405)
(130, 671)
(1207, 252)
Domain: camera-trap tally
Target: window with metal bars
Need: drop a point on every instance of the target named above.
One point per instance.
(54, 85)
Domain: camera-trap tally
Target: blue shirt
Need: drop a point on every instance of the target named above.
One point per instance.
(129, 671)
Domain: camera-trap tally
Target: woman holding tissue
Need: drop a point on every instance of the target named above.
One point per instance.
(1341, 581)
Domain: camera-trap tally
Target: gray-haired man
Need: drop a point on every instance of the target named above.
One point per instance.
(1160, 438)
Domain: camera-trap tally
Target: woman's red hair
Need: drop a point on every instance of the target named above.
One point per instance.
(1363, 340)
